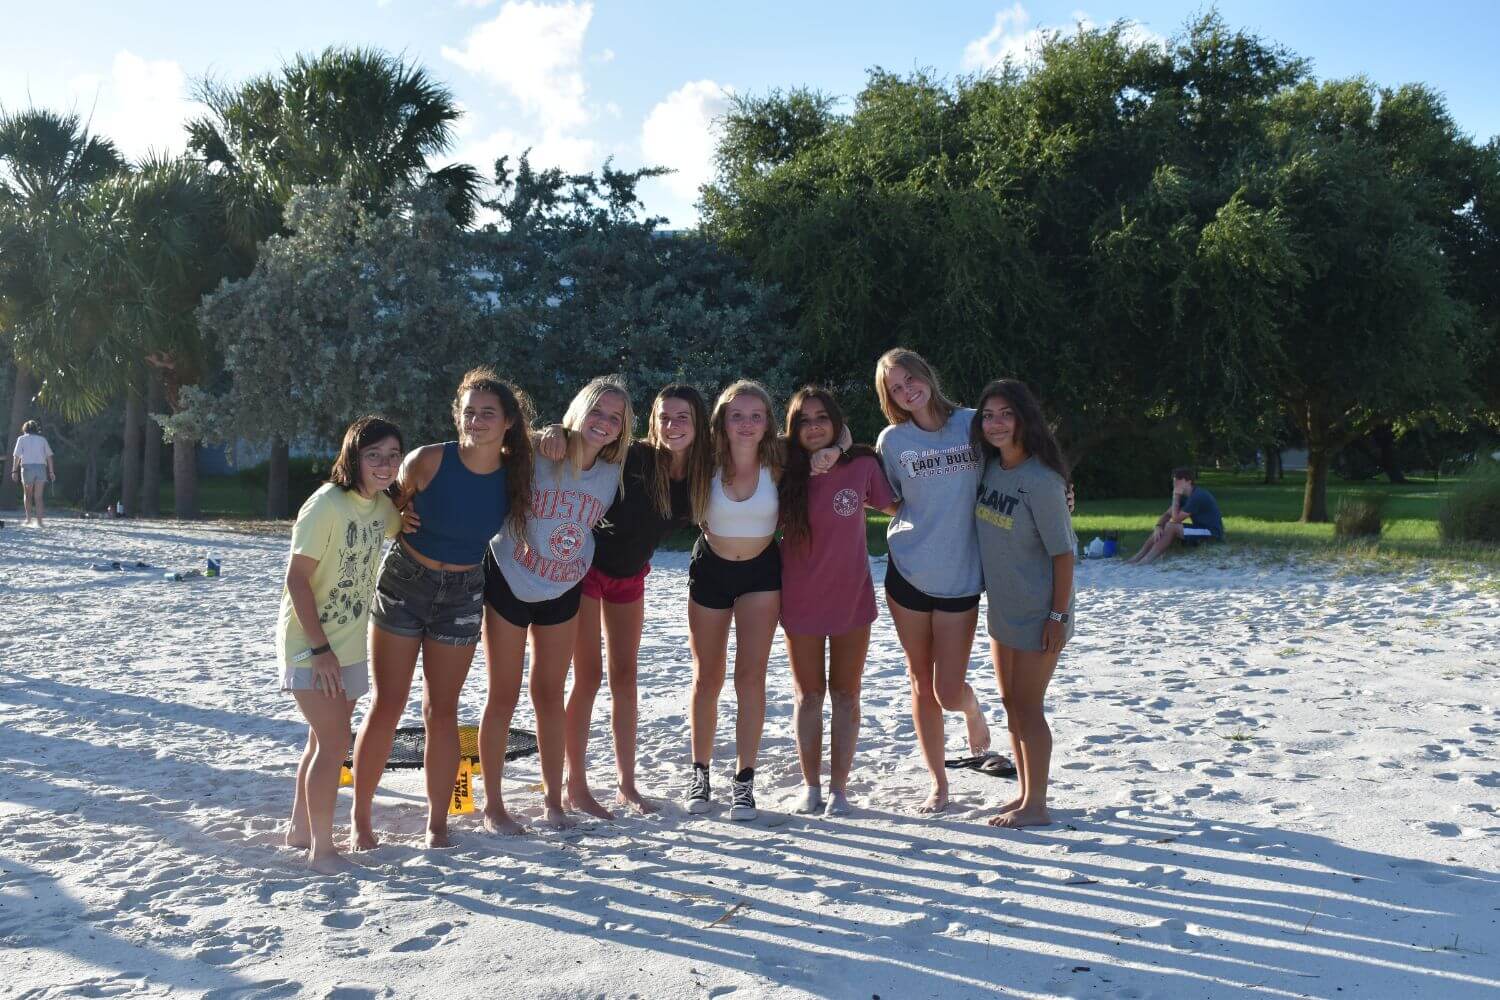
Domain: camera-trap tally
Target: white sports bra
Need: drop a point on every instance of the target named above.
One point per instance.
(753, 517)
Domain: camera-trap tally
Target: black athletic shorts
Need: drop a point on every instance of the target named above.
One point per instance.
(899, 590)
(716, 582)
(498, 595)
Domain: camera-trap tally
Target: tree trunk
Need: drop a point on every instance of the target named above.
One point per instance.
(184, 476)
(20, 402)
(277, 479)
(130, 453)
(1384, 437)
(156, 402)
(1273, 464)
(1315, 495)
(91, 474)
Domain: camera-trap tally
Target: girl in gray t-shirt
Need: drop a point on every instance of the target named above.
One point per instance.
(932, 576)
(1026, 543)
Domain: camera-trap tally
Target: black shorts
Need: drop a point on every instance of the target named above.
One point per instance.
(498, 595)
(899, 590)
(716, 582)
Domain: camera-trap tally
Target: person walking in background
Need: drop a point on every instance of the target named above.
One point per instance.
(325, 612)
(827, 599)
(1193, 518)
(1026, 543)
(31, 466)
(932, 578)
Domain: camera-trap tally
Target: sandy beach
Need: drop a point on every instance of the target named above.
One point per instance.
(1269, 779)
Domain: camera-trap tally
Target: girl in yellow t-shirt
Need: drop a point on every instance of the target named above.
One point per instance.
(325, 610)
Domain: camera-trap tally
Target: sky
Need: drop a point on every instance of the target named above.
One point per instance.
(643, 81)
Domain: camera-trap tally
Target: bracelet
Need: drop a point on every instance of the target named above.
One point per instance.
(320, 650)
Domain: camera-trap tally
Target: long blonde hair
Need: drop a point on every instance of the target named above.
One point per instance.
(902, 357)
(771, 453)
(700, 454)
(578, 410)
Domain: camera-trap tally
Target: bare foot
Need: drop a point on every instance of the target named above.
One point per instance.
(439, 839)
(1010, 806)
(1014, 820)
(582, 799)
(501, 825)
(362, 838)
(633, 798)
(979, 730)
(936, 802)
(297, 838)
(330, 864)
(558, 819)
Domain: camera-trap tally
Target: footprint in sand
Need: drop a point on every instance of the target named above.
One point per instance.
(344, 920)
(428, 939)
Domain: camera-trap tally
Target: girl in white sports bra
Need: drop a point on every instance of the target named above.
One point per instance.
(735, 576)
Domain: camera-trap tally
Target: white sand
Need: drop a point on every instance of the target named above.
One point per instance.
(1347, 847)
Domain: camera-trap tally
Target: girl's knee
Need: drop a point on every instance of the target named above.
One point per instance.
(845, 698)
(810, 697)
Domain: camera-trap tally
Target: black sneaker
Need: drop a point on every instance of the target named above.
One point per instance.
(742, 798)
(698, 795)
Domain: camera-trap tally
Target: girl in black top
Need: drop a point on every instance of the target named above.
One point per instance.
(665, 487)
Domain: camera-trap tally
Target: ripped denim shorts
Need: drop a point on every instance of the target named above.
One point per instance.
(412, 600)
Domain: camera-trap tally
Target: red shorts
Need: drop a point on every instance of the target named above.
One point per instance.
(614, 589)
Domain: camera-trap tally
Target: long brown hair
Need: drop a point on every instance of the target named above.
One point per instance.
(515, 448)
(700, 454)
(902, 357)
(1036, 437)
(770, 450)
(361, 434)
(795, 524)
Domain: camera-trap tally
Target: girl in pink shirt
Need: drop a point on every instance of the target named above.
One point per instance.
(826, 592)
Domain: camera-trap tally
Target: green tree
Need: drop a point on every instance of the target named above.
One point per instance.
(1377, 330)
(360, 118)
(1076, 224)
(588, 284)
(351, 311)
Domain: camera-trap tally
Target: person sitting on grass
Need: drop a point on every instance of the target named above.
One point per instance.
(1193, 517)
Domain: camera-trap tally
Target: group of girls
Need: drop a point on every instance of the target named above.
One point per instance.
(508, 536)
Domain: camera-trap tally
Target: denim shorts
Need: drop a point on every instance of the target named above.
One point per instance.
(415, 601)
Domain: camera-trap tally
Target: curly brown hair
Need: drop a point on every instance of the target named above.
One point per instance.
(515, 448)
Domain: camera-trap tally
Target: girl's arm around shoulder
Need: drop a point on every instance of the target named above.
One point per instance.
(417, 470)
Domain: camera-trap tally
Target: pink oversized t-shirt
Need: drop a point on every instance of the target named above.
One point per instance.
(825, 586)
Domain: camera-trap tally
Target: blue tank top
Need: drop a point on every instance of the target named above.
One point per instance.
(460, 512)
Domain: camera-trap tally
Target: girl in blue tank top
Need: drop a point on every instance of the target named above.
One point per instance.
(429, 598)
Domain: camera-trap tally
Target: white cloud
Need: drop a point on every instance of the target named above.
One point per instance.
(1010, 39)
(534, 52)
(141, 105)
(681, 132)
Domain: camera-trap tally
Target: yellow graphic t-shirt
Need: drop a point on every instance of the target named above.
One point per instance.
(345, 533)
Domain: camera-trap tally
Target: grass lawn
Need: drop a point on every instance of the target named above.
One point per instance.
(1254, 515)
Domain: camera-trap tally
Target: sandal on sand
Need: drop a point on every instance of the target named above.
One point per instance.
(993, 764)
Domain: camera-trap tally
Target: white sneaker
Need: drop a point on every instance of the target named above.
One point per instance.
(698, 794)
(838, 804)
(812, 800)
(742, 799)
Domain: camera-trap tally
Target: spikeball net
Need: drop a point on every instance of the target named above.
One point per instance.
(411, 742)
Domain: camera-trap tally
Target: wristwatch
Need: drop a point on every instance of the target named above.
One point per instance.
(1058, 616)
(320, 650)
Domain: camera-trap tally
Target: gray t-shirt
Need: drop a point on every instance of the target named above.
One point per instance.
(1022, 518)
(559, 545)
(934, 475)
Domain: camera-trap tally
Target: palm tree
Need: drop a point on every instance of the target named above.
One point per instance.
(166, 244)
(356, 117)
(47, 160)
